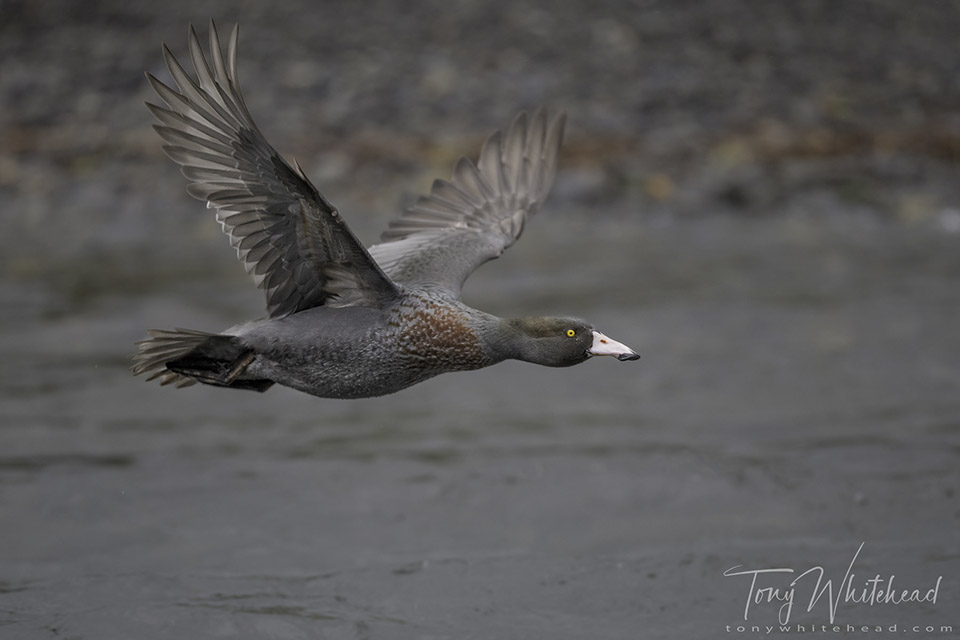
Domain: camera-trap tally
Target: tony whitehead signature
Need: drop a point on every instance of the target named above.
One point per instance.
(877, 590)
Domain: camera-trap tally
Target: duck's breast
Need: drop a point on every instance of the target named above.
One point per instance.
(436, 334)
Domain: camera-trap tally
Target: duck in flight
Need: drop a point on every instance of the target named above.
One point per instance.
(344, 321)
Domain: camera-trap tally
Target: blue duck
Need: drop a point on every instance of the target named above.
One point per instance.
(344, 321)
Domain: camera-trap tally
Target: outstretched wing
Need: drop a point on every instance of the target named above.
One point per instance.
(288, 236)
(480, 212)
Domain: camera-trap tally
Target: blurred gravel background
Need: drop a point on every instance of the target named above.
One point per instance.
(679, 107)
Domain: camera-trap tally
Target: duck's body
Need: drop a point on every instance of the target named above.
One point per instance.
(356, 352)
(344, 321)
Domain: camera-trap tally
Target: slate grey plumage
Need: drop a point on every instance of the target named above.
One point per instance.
(344, 321)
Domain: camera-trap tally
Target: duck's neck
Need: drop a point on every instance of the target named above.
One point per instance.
(506, 339)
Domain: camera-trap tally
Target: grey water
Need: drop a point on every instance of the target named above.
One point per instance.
(797, 396)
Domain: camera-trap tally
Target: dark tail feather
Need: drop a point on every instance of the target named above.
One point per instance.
(184, 357)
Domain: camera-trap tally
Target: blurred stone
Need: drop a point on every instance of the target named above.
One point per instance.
(950, 220)
(916, 207)
(658, 186)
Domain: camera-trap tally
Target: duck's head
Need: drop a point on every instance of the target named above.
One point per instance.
(562, 342)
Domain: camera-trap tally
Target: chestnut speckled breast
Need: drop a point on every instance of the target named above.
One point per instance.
(437, 334)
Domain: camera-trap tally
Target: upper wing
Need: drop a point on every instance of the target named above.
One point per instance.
(472, 218)
(288, 236)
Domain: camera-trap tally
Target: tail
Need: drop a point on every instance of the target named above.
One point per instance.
(184, 357)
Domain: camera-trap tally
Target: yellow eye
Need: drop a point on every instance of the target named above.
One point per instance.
(571, 333)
